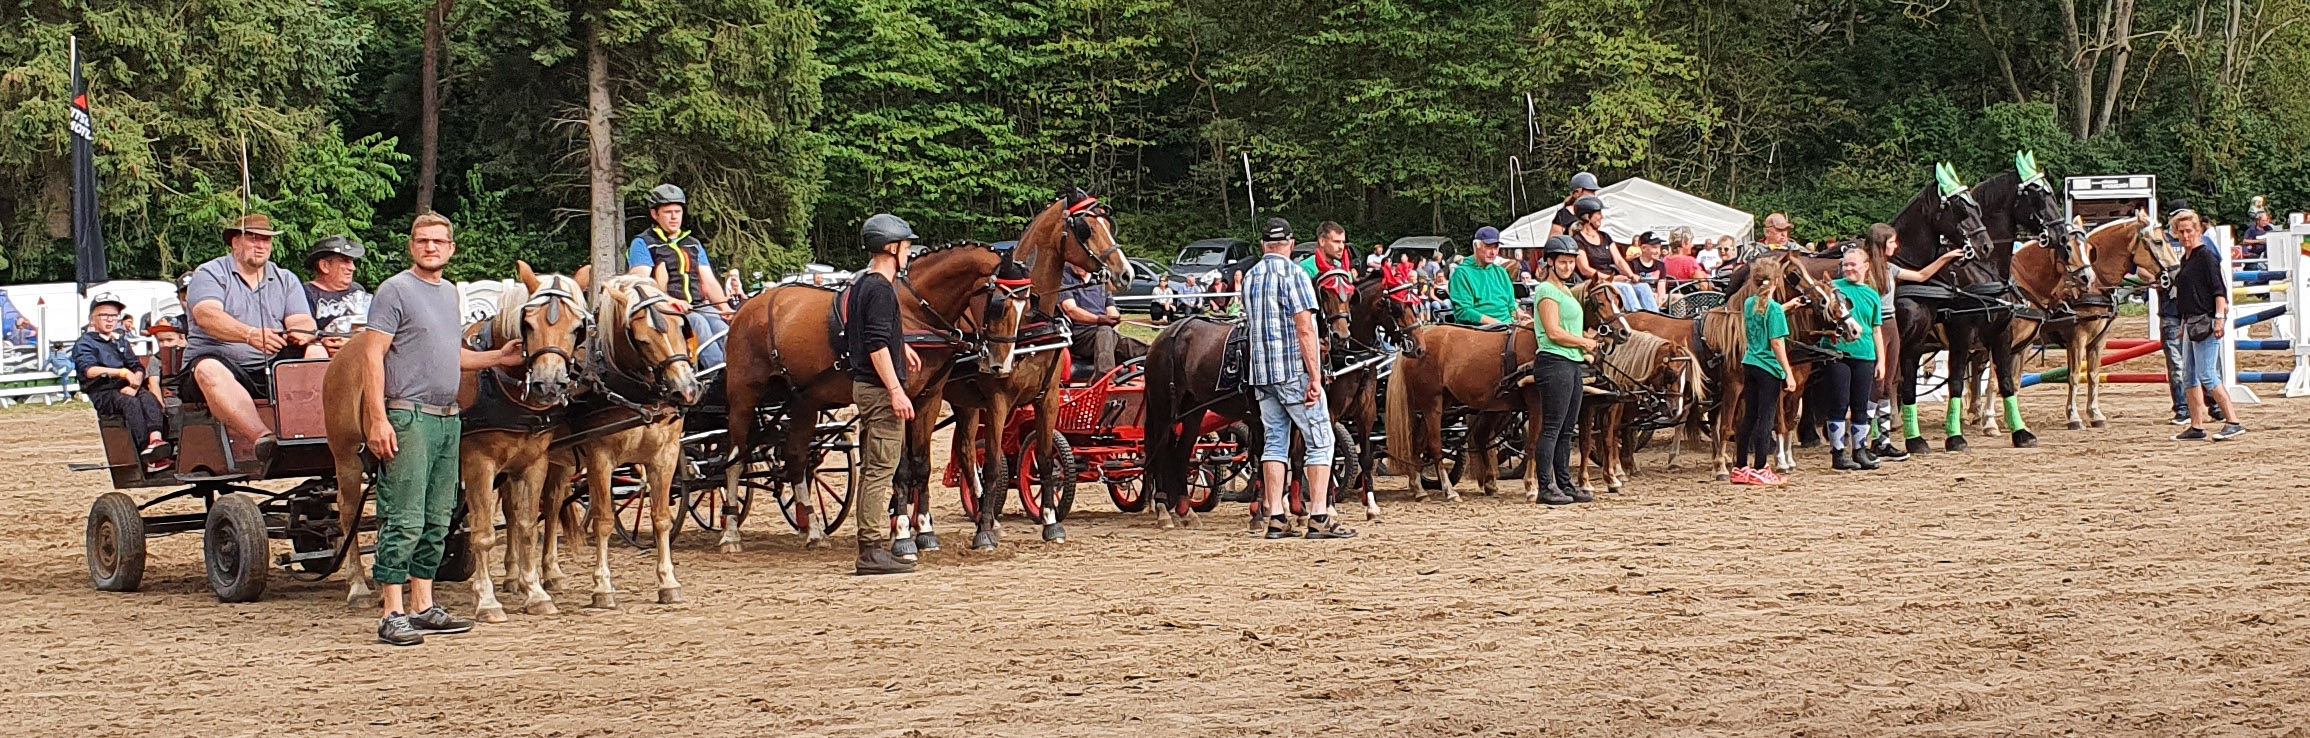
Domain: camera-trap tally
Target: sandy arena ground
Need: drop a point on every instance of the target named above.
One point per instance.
(2111, 583)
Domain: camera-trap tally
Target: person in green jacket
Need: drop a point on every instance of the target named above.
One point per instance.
(1331, 252)
(1482, 293)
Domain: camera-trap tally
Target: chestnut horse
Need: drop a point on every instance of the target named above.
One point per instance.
(2072, 288)
(547, 313)
(782, 355)
(1653, 379)
(1020, 306)
(1477, 368)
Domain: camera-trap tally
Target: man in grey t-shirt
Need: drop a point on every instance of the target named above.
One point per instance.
(245, 313)
(409, 412)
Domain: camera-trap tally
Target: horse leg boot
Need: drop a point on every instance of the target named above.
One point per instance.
(925, 537)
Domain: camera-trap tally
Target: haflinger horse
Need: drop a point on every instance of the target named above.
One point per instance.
(1966, 300)
(547, 314)
(1478, 368)
(1354, 312)
(640, 379)
(1648, 380)
(1816, 312)
(782, 351)
(1025, 361)
(2072, 291)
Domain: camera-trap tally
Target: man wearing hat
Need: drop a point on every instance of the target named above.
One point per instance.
(689, 275)
(1482, 292)
(1286, 375)
(340, 305)
(113, 378)
(1777, 234)
(246, 313)
(879, 364)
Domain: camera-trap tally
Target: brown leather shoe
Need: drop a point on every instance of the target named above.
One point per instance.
(874, 558)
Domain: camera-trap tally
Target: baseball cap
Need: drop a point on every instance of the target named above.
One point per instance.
(1649, 238)
(107, 298)
(1488, 235)
(1277, 229)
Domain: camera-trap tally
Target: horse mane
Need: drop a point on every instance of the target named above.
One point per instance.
(507, 323)
(1920, 243)
(1635, 358)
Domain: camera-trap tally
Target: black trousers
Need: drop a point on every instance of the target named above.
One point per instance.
(1843, 389)
(1761, 410)
(141, 411)
(1560, 394)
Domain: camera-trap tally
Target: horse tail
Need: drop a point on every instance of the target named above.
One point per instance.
(1401, 432)
(1166, 365)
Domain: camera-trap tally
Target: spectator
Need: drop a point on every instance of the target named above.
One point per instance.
(1650, 273)
(1681, 265)
(1777, 234)
(2169, 316)
(2202, 300)
(339, 304)
(2256, 243)
(1160, 308)
(1583, 185)
(115, 382)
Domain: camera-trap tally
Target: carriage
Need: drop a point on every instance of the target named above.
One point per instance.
(701, 482)
(246, 503)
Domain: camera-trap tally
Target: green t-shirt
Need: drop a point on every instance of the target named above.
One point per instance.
(1866, 304)
(1569, 316)
(1480, 290)
(1774, 323)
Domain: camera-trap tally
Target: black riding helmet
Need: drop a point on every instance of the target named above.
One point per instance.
(667, 194)
(1587, 204)
(1559, 246)
(884, 229)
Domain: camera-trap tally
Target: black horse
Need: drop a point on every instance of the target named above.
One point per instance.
(1966, 300)
(2019, 205)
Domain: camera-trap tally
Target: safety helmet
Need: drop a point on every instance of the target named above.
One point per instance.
(667, 194)
(1584, 181)
(884, 229)
(1587, 204)
(1559, 246)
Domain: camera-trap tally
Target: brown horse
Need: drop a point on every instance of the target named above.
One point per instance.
(782, 360)
(1476, 368)
(533, 311)
(1355, 312)
(1653, 379)
(1815, 311)
(2074, 295)
(632, 415)
(982, 400)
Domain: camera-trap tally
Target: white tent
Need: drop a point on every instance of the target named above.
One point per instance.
(1636, 205)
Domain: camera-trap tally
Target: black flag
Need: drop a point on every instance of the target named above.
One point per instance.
(87, 235)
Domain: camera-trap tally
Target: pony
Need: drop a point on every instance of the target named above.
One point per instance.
(1354, 312)
(547, 314)
(1816, 310)
(1642, 372)
(782, 367)
(2072, 289)
(1965, 300)
(1478, 368)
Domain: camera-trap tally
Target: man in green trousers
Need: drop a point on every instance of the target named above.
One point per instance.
(410, 402)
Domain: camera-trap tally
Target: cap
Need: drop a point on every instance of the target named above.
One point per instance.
(1648, 238)
(1587, 204)
(1488, 235)
(2180, 206)
(251, 224)
(185, 282)
(1584, 181)
(1277, 229)
(107, 298)
(334, 245)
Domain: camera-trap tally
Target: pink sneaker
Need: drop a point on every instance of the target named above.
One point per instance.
(1743, 476)
(1770, 478)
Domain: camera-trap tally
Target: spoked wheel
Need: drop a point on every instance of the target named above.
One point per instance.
(826, 501)
(1507, 451)
(630, 509)
(1219, 470)
(1048, 484)
(234, 548)
(115, 543)
(1129, 495)
(702, 490)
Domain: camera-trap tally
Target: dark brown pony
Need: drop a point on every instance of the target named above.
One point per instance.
(782, 357)
(547, 312)
(1354, 311)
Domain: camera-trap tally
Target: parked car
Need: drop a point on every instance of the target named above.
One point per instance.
(1208, 254)
(1423, 247)
(1145, 274)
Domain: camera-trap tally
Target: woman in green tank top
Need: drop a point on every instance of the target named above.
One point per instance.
(1561, 332)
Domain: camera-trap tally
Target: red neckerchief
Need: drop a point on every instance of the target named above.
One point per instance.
(1339, 285)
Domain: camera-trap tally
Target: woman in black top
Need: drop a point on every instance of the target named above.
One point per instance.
(2201, 298)
(113, 378)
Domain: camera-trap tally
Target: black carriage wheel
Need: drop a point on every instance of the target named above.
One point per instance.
(115, 543)
(457, 562)
(234, 548)
(700, 484)
(1215, 476)
(1052, 479)
(1509, 446)
(1346, 467)
(630, 513)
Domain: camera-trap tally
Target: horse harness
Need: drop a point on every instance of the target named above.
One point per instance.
(495, 407)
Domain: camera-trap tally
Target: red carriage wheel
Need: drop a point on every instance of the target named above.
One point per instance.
(1049, 484)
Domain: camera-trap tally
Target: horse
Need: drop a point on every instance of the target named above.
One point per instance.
(983, 399)
(783, 354)
(2072, 289)
(1477, 368)
(640, 379)
(547, 313)
(1653, 374)
(1965, 300)
(1354, 311)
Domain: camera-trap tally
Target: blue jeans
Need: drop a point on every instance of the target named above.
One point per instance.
(707, 325)
(1281, 407)
(2202, 364)
(2170, 335)
(1636, 296)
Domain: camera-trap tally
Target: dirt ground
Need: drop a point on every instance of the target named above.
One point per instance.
(2111, 583)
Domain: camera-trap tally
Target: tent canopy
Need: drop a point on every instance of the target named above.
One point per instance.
(1636, 205)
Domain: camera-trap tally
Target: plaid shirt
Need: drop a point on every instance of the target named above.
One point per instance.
(1274, 292)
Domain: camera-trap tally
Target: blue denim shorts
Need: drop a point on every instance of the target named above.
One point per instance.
(1282, 407)
(2202, 364)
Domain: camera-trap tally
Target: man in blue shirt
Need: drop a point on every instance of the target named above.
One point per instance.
(1286, 374)
(689, 275)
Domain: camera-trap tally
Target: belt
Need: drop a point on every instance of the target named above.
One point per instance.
(439, 411)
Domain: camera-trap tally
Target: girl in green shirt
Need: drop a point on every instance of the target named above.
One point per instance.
(1848, 384)
(1560, 330)
(1765, 371)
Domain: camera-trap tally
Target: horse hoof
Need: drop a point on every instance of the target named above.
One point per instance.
(904, 549)
(1956, 445)
(1189, 519)
(1919, 446)
(2100, 423)
(983, 541)
(604, 601)
(814, 543)
(1616, 489)
(1452, 497)
(491, 615)
(2024, 439)
(669, 595)
(542, 608)
(1163, 522)
(1054, 533)
(731, 548)
(2077, 425)
(926, 541)
(1724, 476)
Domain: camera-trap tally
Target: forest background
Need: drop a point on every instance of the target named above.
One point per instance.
(538, 125)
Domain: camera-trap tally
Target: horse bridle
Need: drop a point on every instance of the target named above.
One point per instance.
(1079, 216)
(553, 300)
(606, 367)
(1976, 229)
(1001, 293)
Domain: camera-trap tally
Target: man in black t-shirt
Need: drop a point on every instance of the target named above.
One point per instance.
(879, 363)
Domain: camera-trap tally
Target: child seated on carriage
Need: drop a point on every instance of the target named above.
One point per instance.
(113, 378)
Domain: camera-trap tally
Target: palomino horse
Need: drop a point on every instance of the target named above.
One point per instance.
(551, 336)
(782, 355)
(1477, 368)
(2077, 304)
(1965, 300)
(1653, 380)
(642, 379)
